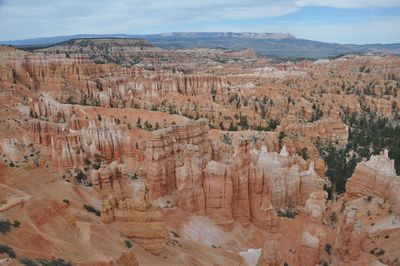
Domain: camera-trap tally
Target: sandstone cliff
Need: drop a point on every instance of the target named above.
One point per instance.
(376, 177)
(137, 218)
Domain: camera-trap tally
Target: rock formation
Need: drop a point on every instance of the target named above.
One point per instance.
(126, 259)
(164, 153)
(270, 252)
(241, 171)
(270, 255)
(189, 181)
(350, 236)
(218, 190)
(137, 218)
(376, 177)
(313, 237)
(110, 178)
(239, 187)
(332, 130)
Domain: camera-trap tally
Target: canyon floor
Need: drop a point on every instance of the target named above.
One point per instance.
(117, 152)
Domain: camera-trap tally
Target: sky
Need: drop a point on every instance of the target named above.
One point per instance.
(341, 21)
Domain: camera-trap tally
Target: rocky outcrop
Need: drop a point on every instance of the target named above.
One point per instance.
(70, 141)
(126, 259)
(241, 171)
(218, 190)
(376, 177)
(110, 178)
(76, 80)
(310, 182)
(107, 139)
(137, 218)
(241, 186)
(350, 236)
(261, 187)
(331, 130)
(189, 181)
(270, 254)
(313, 237)
(283, 181)
(164, 153)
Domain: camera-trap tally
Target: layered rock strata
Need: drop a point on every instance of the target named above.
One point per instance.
(110, 178)
(137, 218)
(240, 186)
(270, 254)
(313, 237)
(376, 177)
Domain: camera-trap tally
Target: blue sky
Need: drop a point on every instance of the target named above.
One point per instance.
(342, 21)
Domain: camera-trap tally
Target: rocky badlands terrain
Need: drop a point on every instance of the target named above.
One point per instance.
(116, 152)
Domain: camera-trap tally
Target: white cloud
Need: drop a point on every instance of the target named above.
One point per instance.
(348, 3)
(34, 18)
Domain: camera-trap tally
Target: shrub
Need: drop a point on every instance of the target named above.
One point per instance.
(343, 207)
(128, 244)
(272, 124)
(287, 212)
(16, 223)
(66, 201)
(148, 126)
(213, 93)
(303, 153)
(7, 250)
(232, 127)
(372, 252)
(226, 139)
(27, 262)
(5, 226)
(328, 190)
(369, 198)
(80, 177)
(281, 136)
(244, 125)
(54, 262)
(91, 209)
(333, 217)
(328, 248)
(174, 234)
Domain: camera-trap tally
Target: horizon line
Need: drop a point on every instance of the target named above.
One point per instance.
(178, 32)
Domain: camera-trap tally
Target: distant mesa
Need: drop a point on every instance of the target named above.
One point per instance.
(115, 42)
